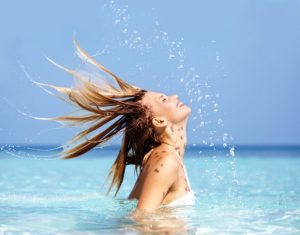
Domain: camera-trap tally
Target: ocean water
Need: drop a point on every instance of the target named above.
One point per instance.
(256, 192)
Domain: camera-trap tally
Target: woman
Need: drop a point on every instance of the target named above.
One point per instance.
(154, 134)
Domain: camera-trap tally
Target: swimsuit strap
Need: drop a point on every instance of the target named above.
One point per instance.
(186, 176)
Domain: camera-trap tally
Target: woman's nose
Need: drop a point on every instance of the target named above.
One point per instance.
(175, 96)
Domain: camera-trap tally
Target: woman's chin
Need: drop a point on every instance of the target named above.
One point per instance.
(188, 109)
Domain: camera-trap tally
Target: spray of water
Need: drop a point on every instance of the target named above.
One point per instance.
(207, 125)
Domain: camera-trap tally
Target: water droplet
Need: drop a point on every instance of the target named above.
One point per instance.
(171, 56)
(199, 98)
(220, 121)
(231, 151)
(225, 137)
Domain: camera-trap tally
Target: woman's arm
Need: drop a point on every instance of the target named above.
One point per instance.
(160, 178)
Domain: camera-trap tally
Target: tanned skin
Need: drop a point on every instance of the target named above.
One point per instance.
(162, 178)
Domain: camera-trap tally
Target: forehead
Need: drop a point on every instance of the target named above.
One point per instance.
(151, 97)
(154, 94)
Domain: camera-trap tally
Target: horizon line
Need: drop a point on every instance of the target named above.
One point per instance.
(188, 146)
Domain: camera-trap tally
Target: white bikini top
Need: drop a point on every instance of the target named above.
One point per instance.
(188, 199)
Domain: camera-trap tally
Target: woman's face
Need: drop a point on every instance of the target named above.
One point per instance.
(165, 106)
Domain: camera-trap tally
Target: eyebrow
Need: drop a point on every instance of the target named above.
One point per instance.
(158, 97)
(161, 96)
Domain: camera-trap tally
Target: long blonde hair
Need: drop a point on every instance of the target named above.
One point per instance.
(110, 108)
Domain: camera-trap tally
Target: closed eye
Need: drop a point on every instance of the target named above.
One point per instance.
(164, 99)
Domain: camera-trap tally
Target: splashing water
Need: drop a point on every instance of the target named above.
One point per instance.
(68, 200)
(143, 43)
(206, 123)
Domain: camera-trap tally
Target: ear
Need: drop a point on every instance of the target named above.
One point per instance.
(159, 122)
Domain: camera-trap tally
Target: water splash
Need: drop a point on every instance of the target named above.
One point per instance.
(207, 124)
(143, 43)
(25, 152)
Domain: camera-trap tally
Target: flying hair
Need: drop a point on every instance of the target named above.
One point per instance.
(104, 110)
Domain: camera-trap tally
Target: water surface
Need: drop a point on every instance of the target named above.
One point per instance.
(254, 193)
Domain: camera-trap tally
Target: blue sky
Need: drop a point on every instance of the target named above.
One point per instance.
(236, 63)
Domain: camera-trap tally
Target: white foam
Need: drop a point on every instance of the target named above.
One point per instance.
(37, 199)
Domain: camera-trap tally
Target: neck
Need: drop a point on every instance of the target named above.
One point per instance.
(175, 136)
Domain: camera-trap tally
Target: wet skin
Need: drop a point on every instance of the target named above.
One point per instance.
(162, 178)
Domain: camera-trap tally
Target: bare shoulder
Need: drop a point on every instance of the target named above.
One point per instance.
(163, 160)
(159, 175)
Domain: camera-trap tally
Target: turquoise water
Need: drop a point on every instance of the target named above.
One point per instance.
(253, 193)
